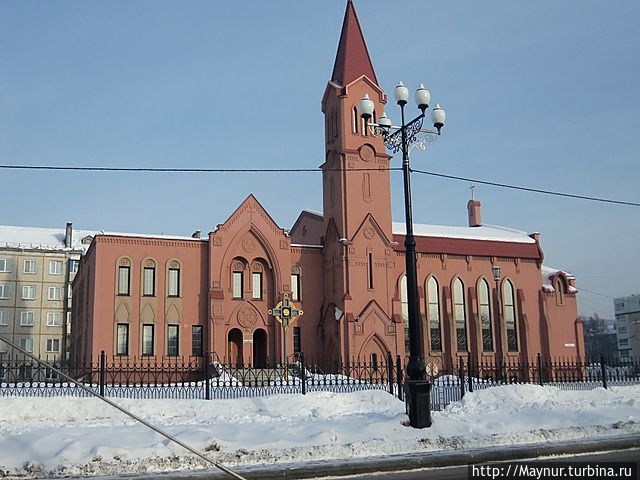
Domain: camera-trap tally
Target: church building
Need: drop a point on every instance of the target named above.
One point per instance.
(161, 296)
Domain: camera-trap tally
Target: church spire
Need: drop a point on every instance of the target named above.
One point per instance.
(352, 59)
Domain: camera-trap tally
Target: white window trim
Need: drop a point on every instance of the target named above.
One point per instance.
(26, 323)
(24, 344)
(4, 318)
(5, 292)
(34, 262)
(6, 268)
(53, 316)
(51, 341)
(55, 262)
(53, 297)
(24, 297)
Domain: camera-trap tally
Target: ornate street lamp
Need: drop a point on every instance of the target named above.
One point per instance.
(396, 138)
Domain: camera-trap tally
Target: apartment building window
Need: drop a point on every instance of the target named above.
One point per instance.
(196, 341)
(4, 318)
(124, 275)
(623, 342)
(30, 266)
(73, 266)
(174, 282)
(55, 267)
(27, 319)
(28, 292)
(256, 284)
(295, 286)
(53, 319)
(55, 293)
(297, 348)
(147, 340)
(149, 282)
(26, 344)
(4, 348)
(122, 339)
(237, 285)
(4, 291)
(53, 344)
(622, 330)
(6, 265)
(172, 340)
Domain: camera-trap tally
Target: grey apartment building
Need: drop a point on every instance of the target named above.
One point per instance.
(37, 266)
(627, 310)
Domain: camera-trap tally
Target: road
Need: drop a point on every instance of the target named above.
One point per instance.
(461, 473)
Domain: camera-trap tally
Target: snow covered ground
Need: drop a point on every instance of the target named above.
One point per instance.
(82, 436)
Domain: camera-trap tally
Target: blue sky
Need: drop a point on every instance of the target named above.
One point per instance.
(542, 94)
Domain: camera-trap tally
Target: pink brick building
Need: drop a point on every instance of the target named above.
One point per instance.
(159, 296)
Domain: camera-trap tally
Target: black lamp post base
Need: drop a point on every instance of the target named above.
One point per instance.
(417, 395)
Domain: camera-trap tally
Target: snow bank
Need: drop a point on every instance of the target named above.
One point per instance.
(82, 436)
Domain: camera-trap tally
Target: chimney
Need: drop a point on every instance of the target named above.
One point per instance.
(196, 234)
(68, 235)
(475, 218)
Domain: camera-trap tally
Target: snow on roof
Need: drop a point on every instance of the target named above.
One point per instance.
(313, 212)
(548, 272)
(151, 235)
(37, 238)
(483, 232)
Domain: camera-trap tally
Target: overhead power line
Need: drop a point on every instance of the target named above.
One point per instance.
(313, 170)
(528, 189)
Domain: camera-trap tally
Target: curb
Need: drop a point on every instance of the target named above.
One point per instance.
(406, 462)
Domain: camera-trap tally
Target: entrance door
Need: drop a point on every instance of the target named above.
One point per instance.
(259, 348)
(234, 348)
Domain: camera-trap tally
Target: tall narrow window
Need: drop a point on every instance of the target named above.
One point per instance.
(354, 119)
(149, 282)
(124, 274)
(196, 341)
(433, 310)
(147, 340)
(122, 339)
(460, 316)
(485, 315)
(297, 348)
(510, 316)
(559, 292)
(237, 285)
(404, 304)
(256, 285)
(172, 340)
(295, 286)
(174, 282)
(370, 271)
(4, 318)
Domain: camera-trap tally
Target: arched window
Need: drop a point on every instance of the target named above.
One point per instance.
(559, 292)
(485, 315)
(433, 312)
(405, 311)
(510, 316)
(460, 316)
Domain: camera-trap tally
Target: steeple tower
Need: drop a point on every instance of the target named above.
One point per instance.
(356, 202)
(352, 59)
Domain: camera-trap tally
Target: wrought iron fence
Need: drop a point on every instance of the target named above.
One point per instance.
(209, 378)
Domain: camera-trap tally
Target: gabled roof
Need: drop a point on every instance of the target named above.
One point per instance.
(352, 59)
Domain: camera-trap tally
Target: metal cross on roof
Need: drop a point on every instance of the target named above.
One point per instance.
(286, 312)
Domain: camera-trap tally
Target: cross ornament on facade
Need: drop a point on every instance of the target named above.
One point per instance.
(286, 313)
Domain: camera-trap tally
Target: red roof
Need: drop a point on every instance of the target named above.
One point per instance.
(352, 59)
(464, 246)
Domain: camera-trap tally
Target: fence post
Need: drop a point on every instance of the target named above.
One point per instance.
(540, 381)
(469, 370)
(461, 378)
(207, 384)
(101, 377)
(399, 378)
(390, 372)
(604, 371)
(303, 374)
